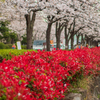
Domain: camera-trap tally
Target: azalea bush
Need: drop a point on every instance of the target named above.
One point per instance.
(45, 75)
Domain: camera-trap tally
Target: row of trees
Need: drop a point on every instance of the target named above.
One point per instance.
(74, 17)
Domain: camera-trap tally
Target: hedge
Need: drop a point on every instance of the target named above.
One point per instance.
(8, 53)
(46, 75)
(9, 46)
(5, 46)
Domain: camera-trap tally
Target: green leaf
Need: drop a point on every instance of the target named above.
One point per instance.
(16, 76)
(3, 97)
(66, 64)
(4, 90)
(55, 98)
(29, 86)
(20, 82)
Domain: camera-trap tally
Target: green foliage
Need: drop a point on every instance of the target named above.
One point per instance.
(7, 53)
(24, 40)
(5, 46)
(2, 46)
(23, 46)
(1, 58)
(13, 36)
(2, 0)
(4, 30)
(98, 96)
(55, 98)
(8, 46)
(81, 83)
(3, 97)
(6, 33)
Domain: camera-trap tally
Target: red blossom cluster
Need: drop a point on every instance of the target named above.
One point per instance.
(45, 75)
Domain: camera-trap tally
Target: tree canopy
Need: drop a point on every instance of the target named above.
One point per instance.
(80, 16)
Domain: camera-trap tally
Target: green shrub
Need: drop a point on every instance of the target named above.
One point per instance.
(7, 53)
(23, 46)
(1, 58)
(5, 46)
(2, 46)
(8, 46)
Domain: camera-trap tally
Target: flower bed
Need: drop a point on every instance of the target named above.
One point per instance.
(45, 75)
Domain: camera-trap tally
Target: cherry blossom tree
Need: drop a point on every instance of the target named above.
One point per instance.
(80, 15)
(55, 12)
(84, 13)
(28, 8)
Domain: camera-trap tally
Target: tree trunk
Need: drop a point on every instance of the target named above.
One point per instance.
(29, 28)
(66, 43)
(96, 43)
(58, 40)
(82, 40)
(58, 33)
(87, 39)
(12, 41)
(78, 39)
(29, 37)
(66, 38)
(72, 35)
(72, 42)
(48, 32)
(91, 42)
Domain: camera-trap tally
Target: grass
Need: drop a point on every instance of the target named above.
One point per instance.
(80, 84)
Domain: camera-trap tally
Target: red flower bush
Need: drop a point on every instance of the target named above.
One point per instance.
(45, 75)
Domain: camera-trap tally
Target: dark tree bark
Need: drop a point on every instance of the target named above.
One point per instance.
(72, 42)
(48, 32)
(78, 38)
(87, 39)
(29, 28)
(72, 35)
(66, 38)
(58, 40)
(91, 42)
(82, 40)
(95, 43)
(51, 20)
(59, 28)
(57, 36)
(12, 41)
